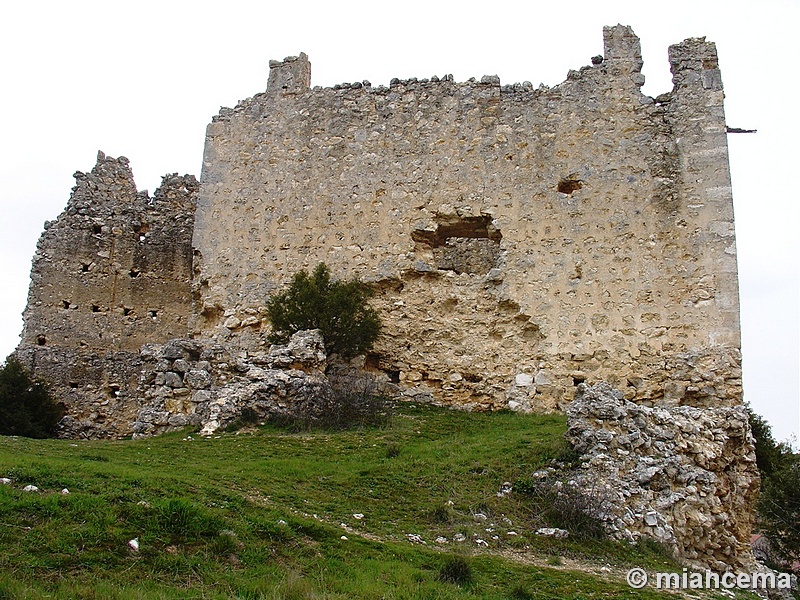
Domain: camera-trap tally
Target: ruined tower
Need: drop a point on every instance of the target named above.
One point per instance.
(522, 240)
(112, 273)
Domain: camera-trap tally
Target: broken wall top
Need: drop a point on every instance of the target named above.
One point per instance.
(583, 223)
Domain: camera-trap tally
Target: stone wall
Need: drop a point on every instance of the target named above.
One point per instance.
(111, 273)
(685, 476)
(521, 240)
(186, 383)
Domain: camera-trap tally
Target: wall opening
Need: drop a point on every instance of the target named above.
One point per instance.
(569, 184)
(462, 244)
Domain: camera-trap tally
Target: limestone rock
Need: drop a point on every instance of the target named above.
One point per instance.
(685, 476)
(306, 350)
(553, 532)
(217, 388)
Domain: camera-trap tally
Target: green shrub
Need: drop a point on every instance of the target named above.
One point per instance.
(778, 506)
(339, 309)
(771, 456)
(779, 510)
(456, 570)
(559, 503)
(26, 406)
(579, 511)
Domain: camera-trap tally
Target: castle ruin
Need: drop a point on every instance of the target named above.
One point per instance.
(521, 242)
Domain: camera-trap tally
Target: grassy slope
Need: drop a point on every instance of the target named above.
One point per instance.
(262, 514)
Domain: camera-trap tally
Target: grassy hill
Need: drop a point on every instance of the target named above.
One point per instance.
(268, 513)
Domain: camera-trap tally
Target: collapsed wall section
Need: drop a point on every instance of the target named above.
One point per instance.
(684, 476)
(110, 274)
(521, 240)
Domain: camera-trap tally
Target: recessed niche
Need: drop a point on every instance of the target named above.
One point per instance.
(462, 244)
(569, 184)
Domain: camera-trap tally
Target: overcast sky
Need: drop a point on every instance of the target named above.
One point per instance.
(142, 79)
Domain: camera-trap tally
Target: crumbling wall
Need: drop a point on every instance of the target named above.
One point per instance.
(111, 273)
(684, 476)
(187, 383)
(521, 240)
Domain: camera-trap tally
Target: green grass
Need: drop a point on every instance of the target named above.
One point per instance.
(261, 514)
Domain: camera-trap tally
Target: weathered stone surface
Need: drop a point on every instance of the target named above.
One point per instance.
(110, 275)
(685, 476)
(520, 241)
(217, 387)
(113, 271)
(305, 350)
(584, 231)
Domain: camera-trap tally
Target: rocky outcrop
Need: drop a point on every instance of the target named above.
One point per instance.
(685, 476)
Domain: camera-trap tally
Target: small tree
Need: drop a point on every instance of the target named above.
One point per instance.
(26, 407)
(339, 309)
(779, 503)
(771, 456)
(779, 509)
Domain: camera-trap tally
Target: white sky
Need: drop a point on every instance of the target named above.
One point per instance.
(142, 79)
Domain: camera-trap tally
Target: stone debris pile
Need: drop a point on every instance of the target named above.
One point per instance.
(685, 476)
(188, 384)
